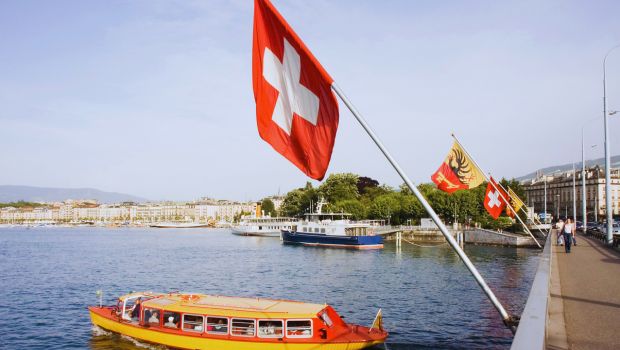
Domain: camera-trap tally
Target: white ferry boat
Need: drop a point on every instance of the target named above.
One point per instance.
(264, 226)
(179, 225)
(334, 230)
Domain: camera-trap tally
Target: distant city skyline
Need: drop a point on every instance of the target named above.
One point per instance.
(154, 98)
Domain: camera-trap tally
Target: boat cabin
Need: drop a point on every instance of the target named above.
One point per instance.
(229, 317)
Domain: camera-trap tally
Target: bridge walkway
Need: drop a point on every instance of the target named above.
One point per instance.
(586, 298)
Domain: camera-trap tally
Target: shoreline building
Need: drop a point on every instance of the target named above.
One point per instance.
(560, 193)
(71, 211)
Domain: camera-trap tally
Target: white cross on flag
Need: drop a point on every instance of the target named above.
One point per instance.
(296, 110)
(493, 201)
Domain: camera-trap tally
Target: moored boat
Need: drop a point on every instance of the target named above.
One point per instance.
(197, 321)
(179, 225)
(332, 230)
(265, 226)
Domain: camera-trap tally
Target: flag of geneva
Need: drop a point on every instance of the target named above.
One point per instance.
(296, 110)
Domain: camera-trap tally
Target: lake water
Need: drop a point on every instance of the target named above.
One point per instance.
(48, 276)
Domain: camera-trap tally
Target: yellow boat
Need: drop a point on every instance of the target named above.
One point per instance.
(197, 321)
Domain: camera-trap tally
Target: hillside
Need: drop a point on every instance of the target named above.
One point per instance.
(9, 193)
(615, 163)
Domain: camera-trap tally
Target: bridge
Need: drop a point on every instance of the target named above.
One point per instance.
(574, 302)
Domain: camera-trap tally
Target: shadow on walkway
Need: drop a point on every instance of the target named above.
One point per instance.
(597, 302)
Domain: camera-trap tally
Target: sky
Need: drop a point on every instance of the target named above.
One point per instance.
(154, 98)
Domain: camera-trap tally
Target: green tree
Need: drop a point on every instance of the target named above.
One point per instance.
(339, 187)
(299, 201)
(386, 207)
(268, 207)
(351, 206)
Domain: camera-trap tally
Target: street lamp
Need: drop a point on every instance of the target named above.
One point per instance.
(607, 155)
(557, 206)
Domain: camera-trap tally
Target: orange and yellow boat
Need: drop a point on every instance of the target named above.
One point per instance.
(197, 321)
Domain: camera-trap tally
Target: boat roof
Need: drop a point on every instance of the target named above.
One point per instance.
(216, 305)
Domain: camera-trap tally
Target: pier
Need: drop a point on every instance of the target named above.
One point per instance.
(479, 236)
(574, 302)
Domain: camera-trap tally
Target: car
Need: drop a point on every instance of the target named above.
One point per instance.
(615, 228)
(591, 226)
(579, 225)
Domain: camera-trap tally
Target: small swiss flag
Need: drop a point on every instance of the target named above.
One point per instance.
(296, 110)
(493, 201)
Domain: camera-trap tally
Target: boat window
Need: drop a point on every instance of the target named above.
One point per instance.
(322, 230)
(325, 318)
(299, 328)
(152, 316)
(243, 327)
(171, 319)
(316, 230)
(217, 325)
(192, 323)
(270, 328)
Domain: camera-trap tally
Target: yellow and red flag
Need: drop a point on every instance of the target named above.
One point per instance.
(515, 202)
(457, 172)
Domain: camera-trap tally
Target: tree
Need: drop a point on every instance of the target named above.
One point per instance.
(385, 207)
(351, 206)
(339, 187)
(364, 183)
(298, 201)
(268, 207)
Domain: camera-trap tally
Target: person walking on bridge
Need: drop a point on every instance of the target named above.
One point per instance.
(569, 232)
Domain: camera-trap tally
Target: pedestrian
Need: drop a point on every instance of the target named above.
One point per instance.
(569, 233)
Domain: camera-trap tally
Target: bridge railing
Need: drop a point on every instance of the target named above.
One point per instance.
(532, 331)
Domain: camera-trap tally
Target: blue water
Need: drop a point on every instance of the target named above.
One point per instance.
(49, 275)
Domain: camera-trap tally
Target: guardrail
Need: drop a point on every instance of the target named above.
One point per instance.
(532, 331)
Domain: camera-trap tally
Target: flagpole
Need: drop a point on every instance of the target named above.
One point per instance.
(509, 321)
(498, 191)
(529, 215)
(526, 211)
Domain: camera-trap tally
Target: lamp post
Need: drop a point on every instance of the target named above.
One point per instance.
(575, 195)
(546, 216)
(557, 206)
(608, 206)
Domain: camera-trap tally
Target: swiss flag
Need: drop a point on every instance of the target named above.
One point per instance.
(296, 110)
(493, 201)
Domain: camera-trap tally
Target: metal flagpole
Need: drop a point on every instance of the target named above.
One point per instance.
(527, 212)
(546, 218)
(498, 191)
(584, 208)
(509, 321)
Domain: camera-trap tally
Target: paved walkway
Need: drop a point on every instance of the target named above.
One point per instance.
(587, 294)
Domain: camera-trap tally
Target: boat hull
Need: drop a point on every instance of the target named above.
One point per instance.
(239, 232)
(179, 225)
(181, 341)
(331, 241)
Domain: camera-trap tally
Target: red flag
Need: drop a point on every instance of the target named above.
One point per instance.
(493, 201)
(296, 110)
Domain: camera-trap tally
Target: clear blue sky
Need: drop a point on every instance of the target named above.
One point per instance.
(154, 98)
